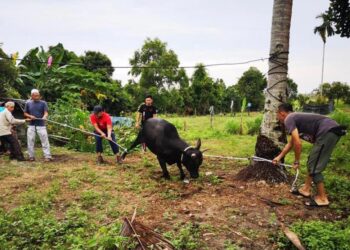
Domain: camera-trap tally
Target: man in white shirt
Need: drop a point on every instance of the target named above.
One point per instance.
(6, 137)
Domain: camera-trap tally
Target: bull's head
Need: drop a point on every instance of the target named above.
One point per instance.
(192, 159)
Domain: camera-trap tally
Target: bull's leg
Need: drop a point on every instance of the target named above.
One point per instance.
(182, 174)
(134, 144)
(162, 164)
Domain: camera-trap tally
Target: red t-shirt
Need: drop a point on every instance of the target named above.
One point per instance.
(102, 121)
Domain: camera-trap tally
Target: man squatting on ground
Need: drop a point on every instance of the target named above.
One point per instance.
(102, 123)
(323, 133)
(36, 108)
(6, 122)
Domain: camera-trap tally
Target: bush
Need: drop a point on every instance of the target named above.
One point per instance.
(341, 117)
(71, 112)
(319, 235)
(232, 127)
(254, 126)
(32, 227)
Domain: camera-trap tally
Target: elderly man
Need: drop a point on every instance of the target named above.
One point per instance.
(6, 122)
(323, 133)
(37, 111)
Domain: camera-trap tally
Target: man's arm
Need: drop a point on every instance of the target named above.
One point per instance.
(12, 120)
(46, 114)
(297, 146)
(284, 151)
(98, 130)
(27, 115)
(138, 118)
(109, 132)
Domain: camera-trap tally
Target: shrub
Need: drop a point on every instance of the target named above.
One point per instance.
(254, 126)
(341, 118)
(232, 127)
(319, 235)
(32, 227)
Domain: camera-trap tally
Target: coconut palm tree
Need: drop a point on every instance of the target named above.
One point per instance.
(272, 137)
(324, 30)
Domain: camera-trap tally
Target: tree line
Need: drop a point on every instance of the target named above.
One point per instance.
(154, 70)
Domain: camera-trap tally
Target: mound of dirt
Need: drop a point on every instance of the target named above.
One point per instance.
(264, 170)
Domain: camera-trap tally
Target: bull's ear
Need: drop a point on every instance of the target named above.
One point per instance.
(199, 143)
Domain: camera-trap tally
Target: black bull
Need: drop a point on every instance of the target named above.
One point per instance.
(162, 138)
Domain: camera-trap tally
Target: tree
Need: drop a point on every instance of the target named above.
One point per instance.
(339, 15)
(292, 89)
(155, 65)
(324, 30)
(251, 86)
(95, 61)
(272, 137)
(202, 90)
(8, 76)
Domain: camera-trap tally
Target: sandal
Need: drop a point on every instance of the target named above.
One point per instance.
(297, 192)
(313, 203)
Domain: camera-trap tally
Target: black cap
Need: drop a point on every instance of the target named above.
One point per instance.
(98, 109)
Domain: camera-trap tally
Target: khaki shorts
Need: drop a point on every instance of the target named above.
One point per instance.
(320, 155)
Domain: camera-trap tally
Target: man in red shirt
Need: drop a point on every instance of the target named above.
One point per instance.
(103, 129)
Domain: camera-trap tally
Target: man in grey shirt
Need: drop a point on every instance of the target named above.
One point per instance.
(323, 133)
(37, 111)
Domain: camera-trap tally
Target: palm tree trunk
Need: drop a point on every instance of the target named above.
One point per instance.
(272, 136)
(323, 54)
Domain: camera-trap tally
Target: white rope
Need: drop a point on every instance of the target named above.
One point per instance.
(81, 130)
(256, 158)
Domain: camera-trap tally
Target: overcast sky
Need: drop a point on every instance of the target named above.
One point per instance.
(203, 31)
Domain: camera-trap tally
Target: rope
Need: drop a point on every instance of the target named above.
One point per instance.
(81, 130)
(259, 159)
(141, 67)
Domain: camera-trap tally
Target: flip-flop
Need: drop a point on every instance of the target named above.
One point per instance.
(296, 192)
(313, 203)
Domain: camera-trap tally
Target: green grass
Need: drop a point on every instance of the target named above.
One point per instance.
(78, 205)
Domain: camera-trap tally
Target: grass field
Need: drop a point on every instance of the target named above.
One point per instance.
(73, 203)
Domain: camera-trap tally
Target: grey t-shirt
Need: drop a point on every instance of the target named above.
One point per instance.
(36, 108)
(310, 126)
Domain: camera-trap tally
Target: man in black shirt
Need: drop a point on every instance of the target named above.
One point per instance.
(145, 111)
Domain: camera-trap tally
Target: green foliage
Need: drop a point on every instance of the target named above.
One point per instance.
(71, 112)
(233, 127)
(8, 76)
(156, 65)
(202, 90)
(335, 91)
(338, 188)
(95, 61)
(251, 86)
(254, 125)
(339, 14)
(186, 237)
(319, 235)
(341, 117)
(32, 227)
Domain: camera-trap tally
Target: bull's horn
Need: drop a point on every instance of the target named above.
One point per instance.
(199, 143)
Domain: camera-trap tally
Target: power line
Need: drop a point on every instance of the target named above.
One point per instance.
(24, 60)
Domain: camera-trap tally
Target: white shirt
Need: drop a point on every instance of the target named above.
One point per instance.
(6, 122)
